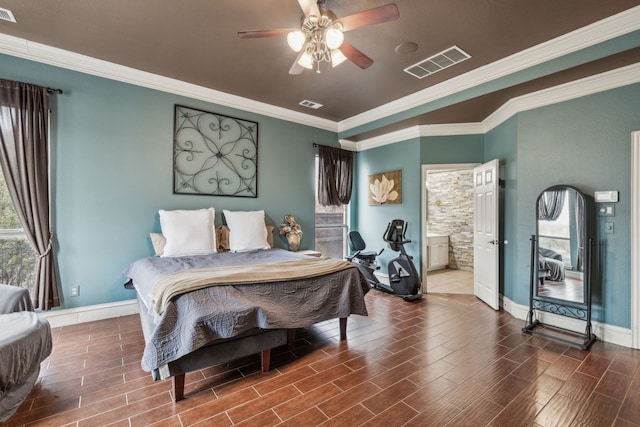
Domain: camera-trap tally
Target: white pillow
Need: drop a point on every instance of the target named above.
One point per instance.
(188, 232)
(247, 230)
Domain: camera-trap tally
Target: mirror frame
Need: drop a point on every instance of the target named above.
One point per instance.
(538, 303)
(582, 248)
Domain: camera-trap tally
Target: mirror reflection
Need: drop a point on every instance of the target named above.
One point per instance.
(561, 233)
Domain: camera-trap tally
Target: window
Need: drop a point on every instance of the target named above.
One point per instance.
(555, 234)
(17, 259)
(331, 227)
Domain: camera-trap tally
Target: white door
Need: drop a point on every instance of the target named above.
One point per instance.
(485, 236)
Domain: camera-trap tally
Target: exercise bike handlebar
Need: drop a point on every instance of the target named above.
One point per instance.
(401, 242)
(395, 232)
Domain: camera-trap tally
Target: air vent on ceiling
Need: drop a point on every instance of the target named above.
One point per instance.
(7, 15)
(438, 62)
(310, 104)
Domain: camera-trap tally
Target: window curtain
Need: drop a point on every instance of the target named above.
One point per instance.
(335, 176)
(551, 204)
(24, 158)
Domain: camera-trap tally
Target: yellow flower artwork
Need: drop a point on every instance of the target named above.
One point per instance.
(385, 188)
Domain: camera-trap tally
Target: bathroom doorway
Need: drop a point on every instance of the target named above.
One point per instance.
(447, 221)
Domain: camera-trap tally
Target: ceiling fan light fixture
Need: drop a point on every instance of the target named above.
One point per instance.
(337, 57)
(334, 38)
(306, 61)
(296, 40)
(321, 35)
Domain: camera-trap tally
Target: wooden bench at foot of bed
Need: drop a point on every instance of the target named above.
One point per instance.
(224, 351)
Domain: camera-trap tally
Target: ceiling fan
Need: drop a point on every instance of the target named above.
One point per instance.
(321, 38)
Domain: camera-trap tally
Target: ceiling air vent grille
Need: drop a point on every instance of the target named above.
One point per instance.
(7, 15)
(437, 62)
(310, 104)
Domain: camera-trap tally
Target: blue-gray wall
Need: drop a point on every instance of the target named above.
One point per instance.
(372, 221)
(584, 142)
(112, 169)
(501, 143)
(452, 149)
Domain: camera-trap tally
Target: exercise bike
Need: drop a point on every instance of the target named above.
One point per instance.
(404, 280)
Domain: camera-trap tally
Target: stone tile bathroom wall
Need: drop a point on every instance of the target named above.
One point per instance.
(450, 212)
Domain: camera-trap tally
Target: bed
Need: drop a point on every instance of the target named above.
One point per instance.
(551, 266)
(236, 302)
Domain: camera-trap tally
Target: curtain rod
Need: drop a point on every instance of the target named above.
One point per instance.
(315, 144)
(52, 90)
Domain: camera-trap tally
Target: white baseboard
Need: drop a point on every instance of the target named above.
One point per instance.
(609, 333)
(72, 316)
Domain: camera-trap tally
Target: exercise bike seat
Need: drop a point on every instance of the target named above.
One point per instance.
(357, 245)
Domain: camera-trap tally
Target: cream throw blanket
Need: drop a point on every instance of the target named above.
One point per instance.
(180, 282)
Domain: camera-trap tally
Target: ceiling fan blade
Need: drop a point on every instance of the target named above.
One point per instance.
(264, 33)
(309, 7)
(297, 68)
(373, 16)
(355, 56)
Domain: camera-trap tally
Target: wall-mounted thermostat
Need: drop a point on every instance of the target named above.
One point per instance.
(606, 196)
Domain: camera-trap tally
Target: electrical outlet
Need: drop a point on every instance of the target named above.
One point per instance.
(75, 291)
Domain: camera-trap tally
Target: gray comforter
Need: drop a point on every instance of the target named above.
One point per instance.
(551, 262)
(197, 318)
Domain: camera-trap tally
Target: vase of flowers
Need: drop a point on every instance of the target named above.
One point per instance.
(290, 232)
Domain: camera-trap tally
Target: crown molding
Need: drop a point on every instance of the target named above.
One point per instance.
(447, 129)
(620, 77)
(590, 35)
(348, 145)
(414, 132)
(38, 52)
(386, 139)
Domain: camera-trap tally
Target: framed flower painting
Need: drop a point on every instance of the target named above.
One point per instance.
(385, 188)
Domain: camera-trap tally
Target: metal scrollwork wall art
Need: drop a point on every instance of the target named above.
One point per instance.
(214, 154)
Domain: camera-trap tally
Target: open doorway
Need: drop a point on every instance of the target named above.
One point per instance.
(447, 221)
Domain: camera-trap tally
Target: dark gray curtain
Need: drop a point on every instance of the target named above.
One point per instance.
(24, 158)
(335, 176)
(550, 204)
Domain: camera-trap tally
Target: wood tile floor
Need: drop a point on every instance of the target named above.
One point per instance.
(569, 289)
(450, 281)
(446, 360)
